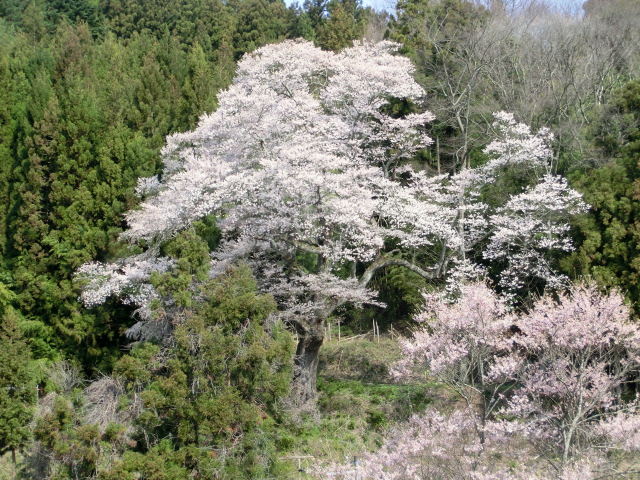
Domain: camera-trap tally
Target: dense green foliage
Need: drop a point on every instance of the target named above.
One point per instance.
(87, 121)
(609, 235)
(17, 387)
(207, 403)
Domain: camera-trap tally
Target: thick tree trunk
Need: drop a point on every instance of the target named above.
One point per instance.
(14, 463)
(304, 393)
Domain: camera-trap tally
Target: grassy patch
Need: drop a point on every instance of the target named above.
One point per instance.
(359, 358)
(6, 466)
(358, 402)
(379, 404)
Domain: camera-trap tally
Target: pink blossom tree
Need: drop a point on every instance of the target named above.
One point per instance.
(464, 344)
(580, 350)
(433, 446)
(307, 176)
(553, 375)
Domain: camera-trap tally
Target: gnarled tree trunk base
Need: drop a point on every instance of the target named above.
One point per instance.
(304, 392)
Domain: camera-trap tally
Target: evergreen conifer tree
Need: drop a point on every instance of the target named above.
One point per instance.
(17, 389)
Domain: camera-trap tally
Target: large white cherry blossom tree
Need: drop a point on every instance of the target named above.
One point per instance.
(306, 171)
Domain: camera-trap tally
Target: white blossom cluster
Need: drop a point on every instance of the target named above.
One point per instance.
(516, 144)
(529, 225)
(126, 280)
(299, 157)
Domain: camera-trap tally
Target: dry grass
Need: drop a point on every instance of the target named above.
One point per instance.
(104, 405)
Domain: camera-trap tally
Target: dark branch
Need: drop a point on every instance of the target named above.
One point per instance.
(387, 261)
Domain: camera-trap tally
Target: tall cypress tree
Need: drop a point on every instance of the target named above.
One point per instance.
(342, 27)
(17, 389)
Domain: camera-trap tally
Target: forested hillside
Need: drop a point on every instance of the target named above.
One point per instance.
(236, 244)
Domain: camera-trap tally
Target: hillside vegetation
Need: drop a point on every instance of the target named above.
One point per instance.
(249, 240)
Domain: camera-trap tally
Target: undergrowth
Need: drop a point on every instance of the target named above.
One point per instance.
(358, 401)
